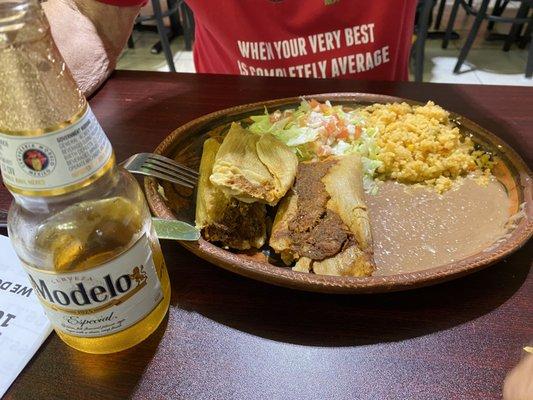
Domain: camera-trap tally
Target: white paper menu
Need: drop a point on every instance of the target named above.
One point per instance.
(23, 323)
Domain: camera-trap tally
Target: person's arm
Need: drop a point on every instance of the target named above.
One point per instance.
(90, 35)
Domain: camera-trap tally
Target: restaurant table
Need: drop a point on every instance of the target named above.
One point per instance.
(229, 337)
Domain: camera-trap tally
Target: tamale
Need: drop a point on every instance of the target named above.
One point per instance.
(253, 167)
(322, 223)
(222, 219)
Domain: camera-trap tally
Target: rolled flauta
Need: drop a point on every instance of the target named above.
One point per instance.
(323, 223)
(231, 222)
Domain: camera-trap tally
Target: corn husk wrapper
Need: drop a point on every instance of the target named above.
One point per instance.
(252, 167)
(221, 218)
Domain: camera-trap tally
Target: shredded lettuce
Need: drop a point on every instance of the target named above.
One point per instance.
(315, 130)
(295, 136)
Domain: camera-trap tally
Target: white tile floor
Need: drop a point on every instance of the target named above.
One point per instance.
(486, 62)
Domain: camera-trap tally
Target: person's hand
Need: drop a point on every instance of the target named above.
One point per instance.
(518, 384)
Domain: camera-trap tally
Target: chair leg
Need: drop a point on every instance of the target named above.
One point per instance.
(440, 12)
(163, 35)
(527, 35)
(423, 23)
(481, 14)
(187, 24)
(174, 18)
(451, 22)
(131, 43)
(529, 65)
(495, 12)
(514, 32)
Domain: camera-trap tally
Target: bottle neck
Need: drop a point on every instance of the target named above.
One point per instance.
(52, 147)
(37, 91)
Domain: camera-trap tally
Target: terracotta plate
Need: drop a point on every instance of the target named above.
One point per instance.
(185, 146)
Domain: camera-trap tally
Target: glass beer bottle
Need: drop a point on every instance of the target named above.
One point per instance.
(79, 223)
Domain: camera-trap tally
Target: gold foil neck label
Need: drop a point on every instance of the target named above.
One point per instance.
(102, 300)
(50, 129)
(56, 162)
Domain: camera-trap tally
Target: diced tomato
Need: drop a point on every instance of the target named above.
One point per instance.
(358, 132)
(313, 103)
(343, 134)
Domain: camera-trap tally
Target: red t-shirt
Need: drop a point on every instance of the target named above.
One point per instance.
(362, 39)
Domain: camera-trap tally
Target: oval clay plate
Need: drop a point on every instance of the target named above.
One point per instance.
(185, 146)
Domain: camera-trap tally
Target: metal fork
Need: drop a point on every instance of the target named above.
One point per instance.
(150, 164)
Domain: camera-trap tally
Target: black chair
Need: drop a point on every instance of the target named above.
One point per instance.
(516, 28)
(424, 17)
(527, 37)
(481, 15)
(498, 9)
(185, 24)
(422, 23)
(158, 16)
(440, 12)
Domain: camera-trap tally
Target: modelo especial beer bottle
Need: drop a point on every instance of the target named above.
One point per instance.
(79, 223)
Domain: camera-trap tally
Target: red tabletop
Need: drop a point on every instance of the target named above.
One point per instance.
(229, 337)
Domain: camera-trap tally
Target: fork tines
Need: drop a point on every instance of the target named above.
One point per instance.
(184, 175)
(162, 168)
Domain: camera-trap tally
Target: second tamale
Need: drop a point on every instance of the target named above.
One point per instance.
(323, 224)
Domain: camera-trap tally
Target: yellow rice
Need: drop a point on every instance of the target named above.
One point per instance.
(419, 144)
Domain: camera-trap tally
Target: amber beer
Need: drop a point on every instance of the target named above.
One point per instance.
(79, 223)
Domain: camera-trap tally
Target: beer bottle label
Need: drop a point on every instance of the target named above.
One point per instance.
(103, 300)
(56, 162)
